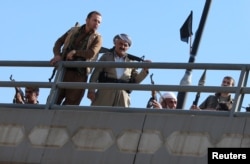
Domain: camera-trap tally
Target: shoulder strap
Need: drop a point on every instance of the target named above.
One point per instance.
(71, 32)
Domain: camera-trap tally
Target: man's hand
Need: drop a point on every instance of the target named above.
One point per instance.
(156, 104)
(70, 55)
(56, 59)
(19, 99)
(194, 107)
(91, 96)
(148, 61)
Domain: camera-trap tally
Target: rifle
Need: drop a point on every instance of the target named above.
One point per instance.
(18, 90)
(247, 108)
(53, 74)
(201, 83)
(153, 94)
(131, 57)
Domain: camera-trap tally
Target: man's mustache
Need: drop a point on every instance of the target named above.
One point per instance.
(122, 49)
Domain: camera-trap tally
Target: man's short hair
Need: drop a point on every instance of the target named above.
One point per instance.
(230, 78)
(34, 89)
(93, 12)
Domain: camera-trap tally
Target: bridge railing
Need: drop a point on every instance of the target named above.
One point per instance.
(239, 90)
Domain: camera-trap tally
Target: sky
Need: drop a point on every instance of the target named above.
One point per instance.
(30, 28)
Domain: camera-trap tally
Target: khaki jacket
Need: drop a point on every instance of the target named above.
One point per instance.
(91, 52)
(115, 97)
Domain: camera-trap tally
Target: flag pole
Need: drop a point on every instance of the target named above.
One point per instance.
(190, 45)
(186, 80)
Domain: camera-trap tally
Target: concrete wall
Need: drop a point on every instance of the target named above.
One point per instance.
(90, 137)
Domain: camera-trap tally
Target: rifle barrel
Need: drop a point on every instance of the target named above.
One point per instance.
(131, 57)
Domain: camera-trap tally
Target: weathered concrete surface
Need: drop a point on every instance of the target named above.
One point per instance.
(95, 137)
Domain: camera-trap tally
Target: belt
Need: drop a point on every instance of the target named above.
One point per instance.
(71, 69)
(113, 80)
(81, 70)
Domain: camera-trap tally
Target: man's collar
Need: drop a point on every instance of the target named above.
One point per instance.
(117, 56)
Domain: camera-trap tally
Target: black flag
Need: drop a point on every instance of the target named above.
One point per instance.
(186, 28)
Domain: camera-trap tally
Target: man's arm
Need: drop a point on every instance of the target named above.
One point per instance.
(58, 45)
(139, 77)
(19, 98)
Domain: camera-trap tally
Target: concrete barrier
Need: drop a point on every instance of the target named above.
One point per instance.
(95, 137)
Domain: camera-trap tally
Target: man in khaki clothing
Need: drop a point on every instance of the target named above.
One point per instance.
(104, 97)
(78, 44)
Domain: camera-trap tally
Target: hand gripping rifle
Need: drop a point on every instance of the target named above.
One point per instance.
(247, 108)
(18, 90)
(153, 94)
(201, 83)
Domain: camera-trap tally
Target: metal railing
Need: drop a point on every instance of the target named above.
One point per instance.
(239, 90)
